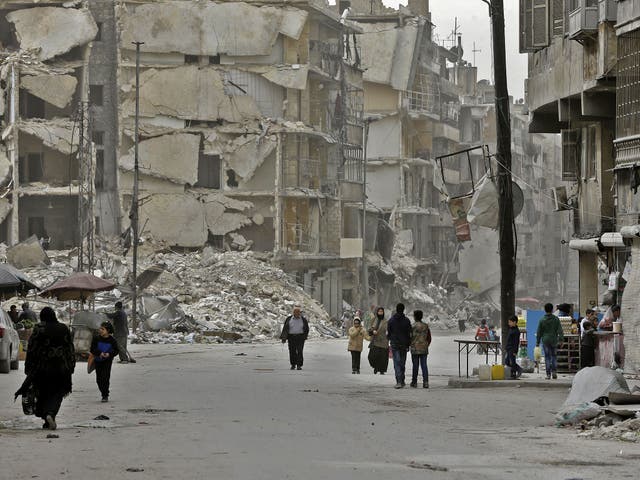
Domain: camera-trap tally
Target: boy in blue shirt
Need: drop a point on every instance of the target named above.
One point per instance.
(104, 347)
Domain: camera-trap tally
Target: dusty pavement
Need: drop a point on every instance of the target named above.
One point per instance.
(238, 412)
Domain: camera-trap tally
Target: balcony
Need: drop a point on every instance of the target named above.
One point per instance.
(420, 103)
(607, 10)
(583, 20)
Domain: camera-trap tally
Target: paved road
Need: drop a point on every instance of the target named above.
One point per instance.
(238, 412)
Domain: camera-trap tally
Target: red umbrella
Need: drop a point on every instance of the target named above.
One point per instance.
(79, 286)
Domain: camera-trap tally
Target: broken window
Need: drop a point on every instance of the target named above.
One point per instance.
(96, 95)
(214, 60)
(96, 223)
(231, 179)
(33, 172)
(99, 176)
(209, 171)
(191, 59)
(98, 37)
(36, 227)
(30, 105)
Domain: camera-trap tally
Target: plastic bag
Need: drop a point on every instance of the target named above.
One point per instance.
(91, 363)
(29, 401)
(576, 413)
(537, 353)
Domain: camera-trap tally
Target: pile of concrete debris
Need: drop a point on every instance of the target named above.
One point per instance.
(442, 307)
(602, 406)
(203, 297)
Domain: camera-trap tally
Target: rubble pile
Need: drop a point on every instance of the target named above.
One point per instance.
(236, 292)
(602, 406)
(612, 427)
(442, 307)
(218, 296)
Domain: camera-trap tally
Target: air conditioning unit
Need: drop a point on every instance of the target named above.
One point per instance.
(607, 10)
(560, 199)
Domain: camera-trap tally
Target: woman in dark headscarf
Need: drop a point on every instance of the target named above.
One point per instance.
(49, 365)
(379, 344)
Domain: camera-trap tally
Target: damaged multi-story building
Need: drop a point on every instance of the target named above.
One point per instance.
(411, 112)
(423, 104)
(250, 121)
(43, 82)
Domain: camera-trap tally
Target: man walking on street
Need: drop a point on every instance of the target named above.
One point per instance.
(295, 331)
(550, 334)
(121, 332)
(399, 333)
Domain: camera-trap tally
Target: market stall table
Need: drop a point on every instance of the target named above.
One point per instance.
(471, 345)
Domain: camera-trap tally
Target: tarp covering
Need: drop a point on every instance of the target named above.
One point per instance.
(160, 312)
(592, 383)
(484, 204)
(13, 281)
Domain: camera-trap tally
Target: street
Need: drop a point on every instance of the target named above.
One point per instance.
(238, 412)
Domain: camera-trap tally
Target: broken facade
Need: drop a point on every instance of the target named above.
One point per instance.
(423, 101)
(43, 65)
(250, 131)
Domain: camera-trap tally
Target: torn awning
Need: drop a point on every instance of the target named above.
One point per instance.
(586, 245)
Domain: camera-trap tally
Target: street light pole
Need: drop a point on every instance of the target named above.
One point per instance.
(135, 198)
(503, 155)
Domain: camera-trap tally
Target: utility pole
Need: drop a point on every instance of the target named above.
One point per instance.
(135, 200)
(503, 155)
(86, 224)
(365, 274)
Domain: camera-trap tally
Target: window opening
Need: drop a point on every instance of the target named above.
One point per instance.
(209, 170)
(96, 95)
(231, 179)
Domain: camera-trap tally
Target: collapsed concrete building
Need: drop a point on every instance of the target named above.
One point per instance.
(250, 127)
(43, 77)
(251, 120)
(423, 101)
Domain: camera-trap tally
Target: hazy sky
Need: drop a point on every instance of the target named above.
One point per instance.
(474, 22)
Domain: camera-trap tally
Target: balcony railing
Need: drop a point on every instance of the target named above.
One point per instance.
(422, 103)
(608, 10)
(583, 19)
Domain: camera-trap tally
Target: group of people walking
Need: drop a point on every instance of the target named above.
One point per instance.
(51, 360)
(396, 334)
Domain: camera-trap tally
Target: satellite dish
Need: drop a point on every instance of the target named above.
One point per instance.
(518, 199)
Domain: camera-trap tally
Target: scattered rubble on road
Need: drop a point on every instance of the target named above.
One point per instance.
(211, 296)
(195, 297)
(601, 406)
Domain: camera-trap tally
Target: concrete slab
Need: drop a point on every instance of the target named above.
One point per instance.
(52, 31)
(207, 28)
(57, 90)
(28, 253)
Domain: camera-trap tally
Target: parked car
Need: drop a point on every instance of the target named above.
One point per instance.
(9, 344)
